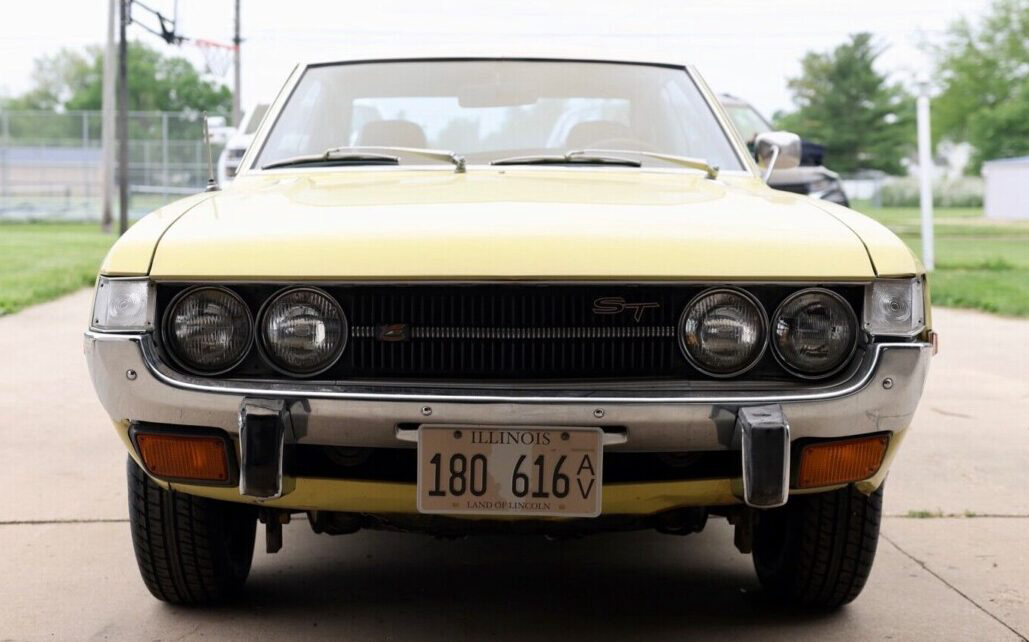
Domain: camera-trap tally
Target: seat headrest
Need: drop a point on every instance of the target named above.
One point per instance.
(392, 133)
(590, 132)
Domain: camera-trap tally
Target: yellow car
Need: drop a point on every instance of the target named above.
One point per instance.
(550, 296)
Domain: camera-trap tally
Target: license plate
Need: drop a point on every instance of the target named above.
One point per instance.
(485, 470)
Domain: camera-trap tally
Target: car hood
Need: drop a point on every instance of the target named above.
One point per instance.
(507, 224)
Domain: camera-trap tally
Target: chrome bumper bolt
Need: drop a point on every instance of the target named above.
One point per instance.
(599, 413)
(426, 411)
(130, 374)
(887, 383)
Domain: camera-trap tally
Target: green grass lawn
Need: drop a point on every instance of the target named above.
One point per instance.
(41, 261)
(980, 263)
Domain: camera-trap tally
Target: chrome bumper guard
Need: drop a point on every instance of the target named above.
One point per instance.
(264, 425)
(765, 448)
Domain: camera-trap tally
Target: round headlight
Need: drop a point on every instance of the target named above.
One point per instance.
(303, 331)
(815, 332)
(208, 330)
(723, 332)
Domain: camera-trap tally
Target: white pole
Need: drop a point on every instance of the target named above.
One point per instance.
(107, 121)
(237, 111)
(925, 171)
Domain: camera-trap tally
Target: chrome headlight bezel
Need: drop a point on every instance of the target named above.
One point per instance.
(876, 321)
(849, 355)
(170, 345)
(762, 328)
(109, 314)
(268, 355)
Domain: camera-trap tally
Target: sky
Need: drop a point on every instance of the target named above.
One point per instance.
(744, 47)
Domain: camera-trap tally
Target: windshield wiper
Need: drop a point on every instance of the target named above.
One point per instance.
(327, 158)
(683, 161)
(571, 158)
(370, 155)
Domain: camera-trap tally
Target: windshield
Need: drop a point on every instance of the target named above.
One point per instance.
(487, 110)
(748, 121)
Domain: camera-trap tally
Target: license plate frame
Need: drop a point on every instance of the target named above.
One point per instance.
(502, 449)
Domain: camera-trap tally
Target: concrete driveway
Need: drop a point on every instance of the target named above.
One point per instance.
(952, 562)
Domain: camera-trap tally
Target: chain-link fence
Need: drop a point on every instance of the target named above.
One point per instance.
(51, 164)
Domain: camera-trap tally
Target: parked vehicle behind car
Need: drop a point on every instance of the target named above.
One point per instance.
(497, 293)
(236, 147)
(810, 178)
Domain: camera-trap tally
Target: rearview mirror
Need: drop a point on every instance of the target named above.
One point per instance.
(497, 95)
(777, 150)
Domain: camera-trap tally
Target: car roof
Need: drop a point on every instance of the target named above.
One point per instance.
(510, 52)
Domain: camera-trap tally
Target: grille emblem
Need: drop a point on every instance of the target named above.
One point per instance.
(616, 305)
(393, 332)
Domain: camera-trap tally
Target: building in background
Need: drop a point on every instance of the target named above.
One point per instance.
(1007, 188)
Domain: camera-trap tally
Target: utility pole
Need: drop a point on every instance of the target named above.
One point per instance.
(925, 172)
(123, 120)
(107, 120)
(237, 113)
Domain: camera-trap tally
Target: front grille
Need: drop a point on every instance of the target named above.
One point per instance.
(511, 332)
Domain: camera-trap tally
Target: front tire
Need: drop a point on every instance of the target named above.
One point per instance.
(190, 550)
(818, 549)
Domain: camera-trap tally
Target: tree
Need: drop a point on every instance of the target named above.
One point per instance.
(983, 72)
(73, 80)
(54, 79)
(864, 120)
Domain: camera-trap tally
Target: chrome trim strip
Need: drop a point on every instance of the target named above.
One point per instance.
(669, 282)
(314, 391)
(410, 435)
(580, 332)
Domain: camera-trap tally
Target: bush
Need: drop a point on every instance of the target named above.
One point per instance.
(960, 192)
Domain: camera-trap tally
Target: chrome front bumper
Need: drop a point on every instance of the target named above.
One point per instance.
(880, 396)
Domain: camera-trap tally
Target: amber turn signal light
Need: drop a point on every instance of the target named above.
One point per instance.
(841, 462)
(181, 457)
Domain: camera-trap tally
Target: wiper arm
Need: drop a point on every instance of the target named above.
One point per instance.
(683, 161)
(372, 154)
(573, 158)
(327, 157)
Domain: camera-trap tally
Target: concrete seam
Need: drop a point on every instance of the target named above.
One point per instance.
(953, 588)
(38, 522)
